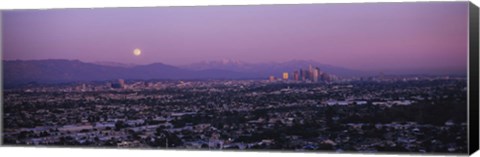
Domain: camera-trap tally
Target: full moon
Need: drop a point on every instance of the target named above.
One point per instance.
(137, 52)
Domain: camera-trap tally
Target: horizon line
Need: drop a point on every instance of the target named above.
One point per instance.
(385, 71)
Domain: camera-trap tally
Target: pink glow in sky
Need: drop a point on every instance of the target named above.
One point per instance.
(369, 36)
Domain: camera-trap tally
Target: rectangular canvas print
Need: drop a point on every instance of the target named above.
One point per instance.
(364, 77)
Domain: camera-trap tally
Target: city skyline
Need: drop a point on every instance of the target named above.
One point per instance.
(373, 37)
(365, 77)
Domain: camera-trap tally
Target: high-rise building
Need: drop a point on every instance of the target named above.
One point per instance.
(84, 87)
(310, 72)
(295, 75)
(302, 75)
(109, 84)
(315, 74)
(307, 74)
(271, 78)
(285, 76)
(121, 82)
(320, 73)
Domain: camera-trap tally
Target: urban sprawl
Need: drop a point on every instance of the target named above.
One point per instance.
(307, 110)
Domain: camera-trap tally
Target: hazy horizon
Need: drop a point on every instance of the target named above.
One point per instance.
(363, 36)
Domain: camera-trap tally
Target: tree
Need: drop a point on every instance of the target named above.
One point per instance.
(164, 138)
(120, 125)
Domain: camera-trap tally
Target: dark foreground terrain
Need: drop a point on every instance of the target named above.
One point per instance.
(409, 115)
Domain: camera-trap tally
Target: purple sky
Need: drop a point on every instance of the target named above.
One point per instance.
(373, 36)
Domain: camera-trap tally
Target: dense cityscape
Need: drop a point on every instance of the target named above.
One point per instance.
(311, 111)
(357, 78)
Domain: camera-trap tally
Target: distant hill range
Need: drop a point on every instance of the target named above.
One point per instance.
(276, 69)
(17, 72)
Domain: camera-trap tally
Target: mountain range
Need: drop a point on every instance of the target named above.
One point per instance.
(17, 72)
(273, 68)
